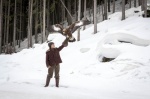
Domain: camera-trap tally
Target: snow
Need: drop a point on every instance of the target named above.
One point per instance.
(82, 75)
(79, 24)
(56, 28)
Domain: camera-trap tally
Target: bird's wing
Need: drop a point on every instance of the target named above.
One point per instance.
(57, 28)
(73, 27)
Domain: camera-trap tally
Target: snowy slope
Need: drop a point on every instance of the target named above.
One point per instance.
(83, 75)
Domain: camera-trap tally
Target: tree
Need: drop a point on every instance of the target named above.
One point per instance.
(36, 22)
(142, 4)
(105, 9)
(69, 9)
(5, 24)
(139, 2)
(108, 5)
(7, 30)
(84, 12)
(102, 10)
(134, 3)
(1, 7)
(31, 8)
(20, 27)
(129, 3)
(79, 12)
(145, 8)
(75, 9)
(30, 23)
(95, 16)
(113, 6)
(14, 32)
(63, 12)
(123, 9)
(44, 6)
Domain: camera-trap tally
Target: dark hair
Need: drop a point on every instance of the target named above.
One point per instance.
(50, 43)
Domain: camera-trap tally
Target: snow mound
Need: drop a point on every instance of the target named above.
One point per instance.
(112, 45)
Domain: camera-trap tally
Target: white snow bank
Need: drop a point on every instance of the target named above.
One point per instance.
(111, 45)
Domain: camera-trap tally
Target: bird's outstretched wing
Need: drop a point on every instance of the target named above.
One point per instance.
(73, 27)
(57, 28)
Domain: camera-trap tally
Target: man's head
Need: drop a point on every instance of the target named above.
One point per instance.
(51, 45)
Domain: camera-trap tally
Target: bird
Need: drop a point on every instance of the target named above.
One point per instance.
(67, 32)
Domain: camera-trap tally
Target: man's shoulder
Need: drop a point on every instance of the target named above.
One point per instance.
(48, 51)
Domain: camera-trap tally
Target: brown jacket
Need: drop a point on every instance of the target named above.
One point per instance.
(53, 56)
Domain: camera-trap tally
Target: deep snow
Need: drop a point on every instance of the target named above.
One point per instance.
(82, 75)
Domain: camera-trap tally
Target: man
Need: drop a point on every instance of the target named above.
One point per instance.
(52, 61)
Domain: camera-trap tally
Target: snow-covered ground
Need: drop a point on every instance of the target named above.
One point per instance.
(83, 75)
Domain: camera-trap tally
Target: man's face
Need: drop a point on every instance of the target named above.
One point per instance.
(53, 46)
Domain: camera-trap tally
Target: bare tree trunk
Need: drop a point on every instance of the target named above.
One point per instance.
(134, 3)
(29, 24)
(145, 8)
(113, 6)
(36, 22)
(41, 23)
(105, 9)
(79, 12)
(44, 6)
(123, 9)
(47, 14)
(8, 13)
(93, 9)
(99, 10)
(75, 9)
(63, 12)
(95, 16)
(129, 3)
(139, 2)
(14, 32)
(1, 7)
(20, 33)
(108, 5)
(142, 4)
(69, 9)
(5, 25)
(84, 12)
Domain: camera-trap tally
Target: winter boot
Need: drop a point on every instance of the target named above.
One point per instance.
(57, 82)
(47, 81)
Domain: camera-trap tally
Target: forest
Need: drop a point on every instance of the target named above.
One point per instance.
(22, 19)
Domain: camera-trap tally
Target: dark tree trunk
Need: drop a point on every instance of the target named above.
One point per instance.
(1, 14)
(69, 9)
(79, 12)
(36, 23)
(95, 16)
(105, 9)
(129, 3)
(145, 8)
(75, 9)
(14, 32)
(134, 3)
(7, 35)
(109, 6)
(20, 33)
(113, 6)
(123, 9)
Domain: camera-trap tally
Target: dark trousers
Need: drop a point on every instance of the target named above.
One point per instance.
(55, 68)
